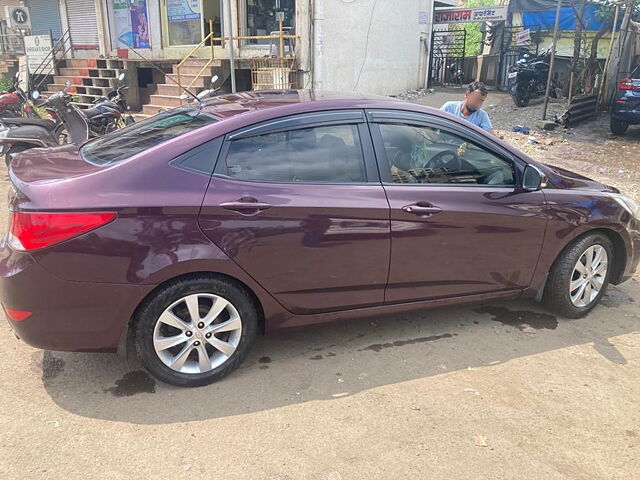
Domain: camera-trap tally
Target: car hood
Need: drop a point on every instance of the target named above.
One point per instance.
(566, 179)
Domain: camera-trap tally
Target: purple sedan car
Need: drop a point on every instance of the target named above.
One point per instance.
(187, 234)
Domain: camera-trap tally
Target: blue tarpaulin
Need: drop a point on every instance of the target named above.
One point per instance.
(546, 20)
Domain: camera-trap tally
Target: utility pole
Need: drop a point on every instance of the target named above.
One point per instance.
(232, 62)
(552, 63)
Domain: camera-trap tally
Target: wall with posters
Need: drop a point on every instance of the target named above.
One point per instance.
(131, 24)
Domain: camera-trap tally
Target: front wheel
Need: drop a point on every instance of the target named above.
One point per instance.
(195, 331)
(580, 276)
(618, 127)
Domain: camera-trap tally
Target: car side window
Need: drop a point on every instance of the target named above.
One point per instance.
(322, 154)
(421, 154)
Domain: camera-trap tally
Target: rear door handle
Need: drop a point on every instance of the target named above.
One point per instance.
(421, 210)
(246, 206)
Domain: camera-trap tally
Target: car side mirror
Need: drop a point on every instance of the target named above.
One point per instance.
(533, 179)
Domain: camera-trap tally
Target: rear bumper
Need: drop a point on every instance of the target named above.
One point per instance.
(626, 113)
(68, 316)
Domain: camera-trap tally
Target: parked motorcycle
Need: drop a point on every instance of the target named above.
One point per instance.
(110, 112)
(528, 78)
(69, 124)
(15, 102)
(455, 74)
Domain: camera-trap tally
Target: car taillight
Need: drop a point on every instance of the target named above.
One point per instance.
(16, 315)
(628, 84)
(34, 230)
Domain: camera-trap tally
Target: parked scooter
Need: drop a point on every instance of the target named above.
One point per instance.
(15, 102)
(70, 123)
(528, 78)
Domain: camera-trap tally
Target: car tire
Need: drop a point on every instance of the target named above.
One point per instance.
(618, 127)
(520, 95)
(166, 318)
(560, 295)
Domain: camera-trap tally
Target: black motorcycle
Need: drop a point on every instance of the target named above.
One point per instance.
(110, 112)
(528, 78)
(69, 125)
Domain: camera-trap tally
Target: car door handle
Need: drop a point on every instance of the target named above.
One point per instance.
(245, 204)
(421, 210)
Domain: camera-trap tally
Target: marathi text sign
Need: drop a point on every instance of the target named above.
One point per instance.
(183, 10)
(477, 14)
(37, 48)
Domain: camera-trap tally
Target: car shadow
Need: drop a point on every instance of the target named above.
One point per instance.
(333, 361)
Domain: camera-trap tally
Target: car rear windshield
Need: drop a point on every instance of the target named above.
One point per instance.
(126, 143)
(636, 73)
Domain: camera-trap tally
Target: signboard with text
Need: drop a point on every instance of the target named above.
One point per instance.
(464, 15)
(18, 18)
(183, 10)
(37, 47)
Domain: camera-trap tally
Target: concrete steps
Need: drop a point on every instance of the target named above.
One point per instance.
(167, 95)
(90, 78)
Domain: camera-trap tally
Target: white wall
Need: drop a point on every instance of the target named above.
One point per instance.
(373, 46)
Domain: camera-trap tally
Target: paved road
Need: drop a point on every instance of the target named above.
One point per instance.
(496, 391)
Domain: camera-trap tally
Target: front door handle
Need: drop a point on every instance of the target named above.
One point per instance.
(421, 210)
(246, 206)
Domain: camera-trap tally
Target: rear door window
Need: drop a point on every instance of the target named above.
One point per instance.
(126, 143)
(322, 154)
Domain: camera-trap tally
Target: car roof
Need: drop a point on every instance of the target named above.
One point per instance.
(232, 104)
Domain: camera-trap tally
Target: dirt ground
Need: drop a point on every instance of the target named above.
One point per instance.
(494, 391)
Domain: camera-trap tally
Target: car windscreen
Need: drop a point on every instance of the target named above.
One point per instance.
(126, 143)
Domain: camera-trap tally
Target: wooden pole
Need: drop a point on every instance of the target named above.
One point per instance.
(211, 36)
(552, 62)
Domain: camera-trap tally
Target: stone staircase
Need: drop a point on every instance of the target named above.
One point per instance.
(168, 94)
(90, 78)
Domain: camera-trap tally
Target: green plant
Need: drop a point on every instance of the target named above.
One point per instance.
(5, 84)
(473, 39)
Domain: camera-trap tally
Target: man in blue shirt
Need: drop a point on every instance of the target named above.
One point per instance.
(470, 109)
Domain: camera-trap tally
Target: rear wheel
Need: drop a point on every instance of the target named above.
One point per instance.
(618, 127)
(196, 331)
(520, 95)
(580, 276)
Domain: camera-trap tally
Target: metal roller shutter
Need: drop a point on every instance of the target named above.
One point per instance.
(45, 15)
(83, 23)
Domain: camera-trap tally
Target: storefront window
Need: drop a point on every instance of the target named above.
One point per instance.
(262, 17)
(184, 22)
